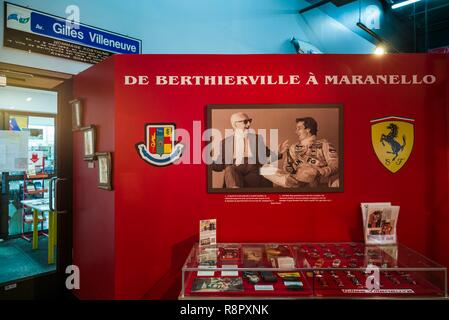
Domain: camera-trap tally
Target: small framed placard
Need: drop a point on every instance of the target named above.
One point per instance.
(77, 113)
(89, 143)
(104, 170)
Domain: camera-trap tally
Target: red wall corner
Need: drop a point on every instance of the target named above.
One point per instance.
(93, 208)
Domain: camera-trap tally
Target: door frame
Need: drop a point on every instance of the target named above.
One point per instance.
(4, 117)
(52, 285)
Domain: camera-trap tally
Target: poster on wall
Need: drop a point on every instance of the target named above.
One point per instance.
(13, 150)
(275, 148)
(35, 31)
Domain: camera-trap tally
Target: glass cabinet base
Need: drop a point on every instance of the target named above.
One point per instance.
(310, 270)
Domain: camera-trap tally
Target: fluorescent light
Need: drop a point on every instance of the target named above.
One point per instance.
(403, 3)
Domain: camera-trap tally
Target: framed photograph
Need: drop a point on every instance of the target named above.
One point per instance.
(89, 143)
(275, 148)
(76, 114)
(104, 170)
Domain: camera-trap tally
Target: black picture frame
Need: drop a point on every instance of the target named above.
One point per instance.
(278, 109)
(104, 170)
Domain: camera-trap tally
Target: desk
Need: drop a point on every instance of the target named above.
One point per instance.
(43, 205)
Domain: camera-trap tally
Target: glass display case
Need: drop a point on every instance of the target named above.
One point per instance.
(310, 270)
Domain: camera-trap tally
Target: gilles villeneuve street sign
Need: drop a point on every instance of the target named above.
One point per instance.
(35, 31)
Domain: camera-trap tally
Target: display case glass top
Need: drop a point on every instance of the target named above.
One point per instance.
(310, 270)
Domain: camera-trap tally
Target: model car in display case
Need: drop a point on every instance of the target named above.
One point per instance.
(312, 270)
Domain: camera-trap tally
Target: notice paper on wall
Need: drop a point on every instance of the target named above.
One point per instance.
(208, 232)
(13, 150)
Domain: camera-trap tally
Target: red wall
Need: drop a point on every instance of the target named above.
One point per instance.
(94, 211)
(439, 234)
(157, 209)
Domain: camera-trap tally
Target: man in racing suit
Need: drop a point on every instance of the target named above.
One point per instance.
(311, 162)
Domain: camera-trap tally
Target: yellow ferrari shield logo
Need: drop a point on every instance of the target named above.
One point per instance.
(392, 140)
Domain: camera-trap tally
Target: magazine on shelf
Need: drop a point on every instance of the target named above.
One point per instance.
(208, 232)
(364, 207)
(380, 221)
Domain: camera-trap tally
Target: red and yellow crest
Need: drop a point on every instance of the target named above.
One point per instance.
(160, 147)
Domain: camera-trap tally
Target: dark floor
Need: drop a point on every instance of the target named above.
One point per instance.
(18, 260)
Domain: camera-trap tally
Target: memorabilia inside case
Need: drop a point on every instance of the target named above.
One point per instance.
(310, 270)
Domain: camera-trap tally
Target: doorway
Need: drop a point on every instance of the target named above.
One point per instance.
(35, 239)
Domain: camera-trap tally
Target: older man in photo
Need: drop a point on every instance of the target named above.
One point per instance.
(241, 155)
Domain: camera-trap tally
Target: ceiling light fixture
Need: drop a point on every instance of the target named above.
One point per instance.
(381, 42)
(403, 3)
(380, 50)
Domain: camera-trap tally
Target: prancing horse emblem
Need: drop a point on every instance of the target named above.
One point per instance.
(389, 138)
(392, 140)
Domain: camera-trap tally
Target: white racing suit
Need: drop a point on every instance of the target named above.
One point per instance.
(312, 162)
